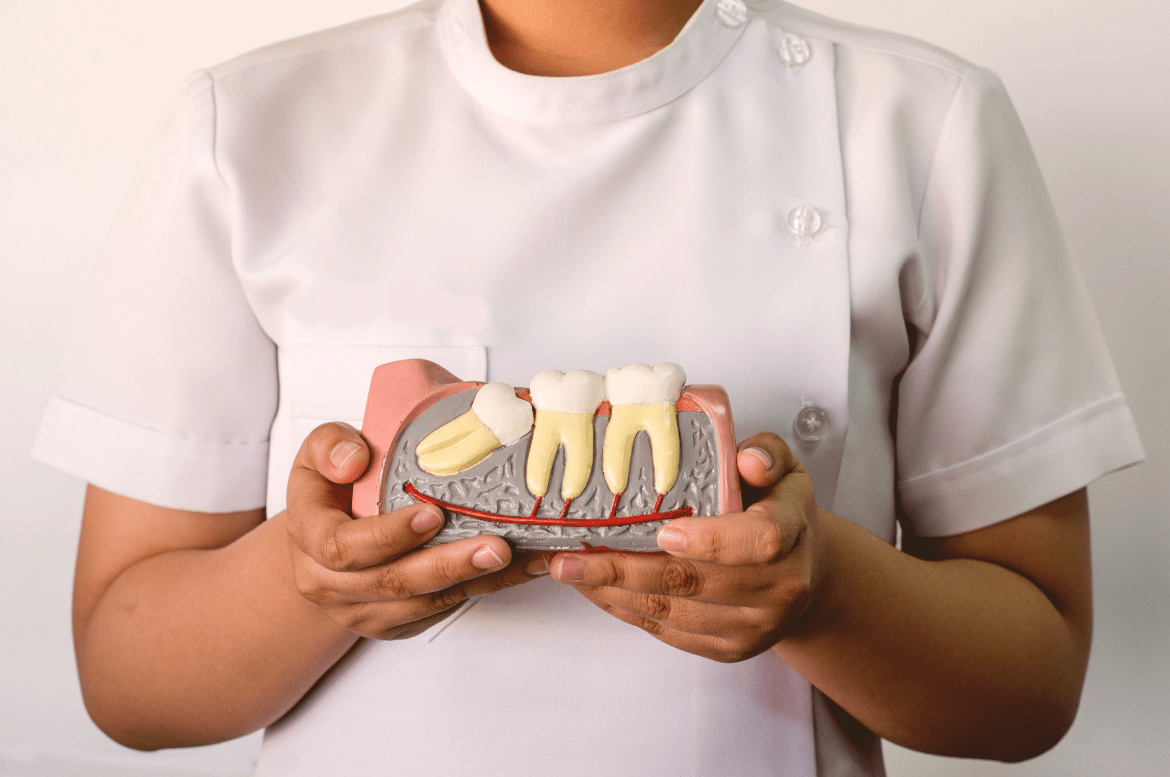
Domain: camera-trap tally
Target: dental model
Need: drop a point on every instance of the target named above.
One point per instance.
(497, 418)
(565, 406)
(642, 399)
(485, 468)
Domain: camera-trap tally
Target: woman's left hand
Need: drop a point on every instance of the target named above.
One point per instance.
(728, 587)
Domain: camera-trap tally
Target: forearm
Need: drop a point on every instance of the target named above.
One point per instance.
(957, 657)
(191, 647)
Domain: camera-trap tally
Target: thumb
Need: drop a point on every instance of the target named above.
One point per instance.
(764, 459)
(337, 451)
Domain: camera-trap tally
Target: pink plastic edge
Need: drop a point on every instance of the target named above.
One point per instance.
(399, 392)
(714, 402)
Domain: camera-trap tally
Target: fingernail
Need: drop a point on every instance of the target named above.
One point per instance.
(672, 540)
(426, 520)
(537, 567)
(570, 569)
(486, 558)
(764, 457)
(342, 452)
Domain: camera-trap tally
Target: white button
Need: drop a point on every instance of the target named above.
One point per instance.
(803, 223)
(733, 13)
(811, 424)
(794, 52)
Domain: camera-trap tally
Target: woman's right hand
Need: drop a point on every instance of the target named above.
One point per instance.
(369, 574)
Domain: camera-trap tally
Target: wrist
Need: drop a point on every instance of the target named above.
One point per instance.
(828, 584)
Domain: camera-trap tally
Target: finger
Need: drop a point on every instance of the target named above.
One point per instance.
(331, 457)
(336, 541)
(765, 458)
(335, 451)
(763, 534)
(694, 617)
(319, 496)
(406, 618)
(645, 573)
(706, 645)
(661, 575)
(424, 571)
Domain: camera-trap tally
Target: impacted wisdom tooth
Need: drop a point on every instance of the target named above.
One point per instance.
(497, 418)
(565, 405)
(643, 399)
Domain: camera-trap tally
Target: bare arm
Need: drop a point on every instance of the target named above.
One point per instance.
(188, 627)
(193, 628)
(977, 649)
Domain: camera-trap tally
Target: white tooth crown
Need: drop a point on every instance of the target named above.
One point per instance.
(641, 384)
(580, 391)
(507, 416)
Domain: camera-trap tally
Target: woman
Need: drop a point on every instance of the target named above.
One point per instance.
(844, 228)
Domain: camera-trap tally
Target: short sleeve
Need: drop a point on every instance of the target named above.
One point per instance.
(168, 386)
(1010, 400)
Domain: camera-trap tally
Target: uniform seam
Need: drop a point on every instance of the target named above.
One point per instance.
(794, 16)
(362, 38)
(924, 295)
(168, 435)
(1088, 409)
(215, 127)
(962, 74)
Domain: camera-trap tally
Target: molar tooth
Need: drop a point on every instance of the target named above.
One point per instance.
(565, 405)
(497, 418)
(643, 398)
(641, 384)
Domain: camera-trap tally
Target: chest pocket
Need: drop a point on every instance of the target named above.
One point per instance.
(330, 382)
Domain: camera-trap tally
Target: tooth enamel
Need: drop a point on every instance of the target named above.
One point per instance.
(507, 415)
(580, 391)
(641, 384)
(565, 405)
(643, 398)
(497, 418)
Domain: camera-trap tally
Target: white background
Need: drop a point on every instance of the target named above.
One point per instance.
(82, 83)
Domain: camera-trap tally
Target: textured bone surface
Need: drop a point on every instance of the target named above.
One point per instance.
(497, 485)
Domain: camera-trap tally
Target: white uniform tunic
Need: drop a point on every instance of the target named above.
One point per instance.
(844, 228)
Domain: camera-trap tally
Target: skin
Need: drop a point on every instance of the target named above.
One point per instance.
(973, 645)
(572, 38)
(192, 628)
(976, 645)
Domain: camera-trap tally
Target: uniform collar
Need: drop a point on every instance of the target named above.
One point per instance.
(692, 56)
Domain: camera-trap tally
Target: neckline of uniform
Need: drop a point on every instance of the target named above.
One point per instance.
(638, 88)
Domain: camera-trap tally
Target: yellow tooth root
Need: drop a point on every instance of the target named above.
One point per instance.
(660, 422)
(456, 446)
(552, 430)
(449, 433)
